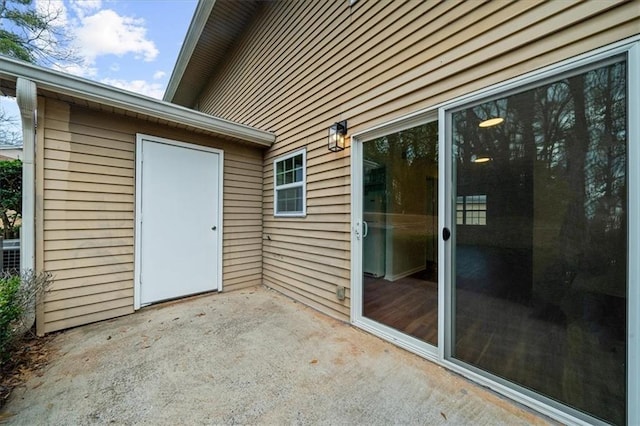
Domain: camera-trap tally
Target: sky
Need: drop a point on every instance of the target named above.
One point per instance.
(130, 44)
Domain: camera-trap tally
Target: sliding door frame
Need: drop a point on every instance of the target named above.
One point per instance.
(631, 50)
(403, 340)
(442, 112)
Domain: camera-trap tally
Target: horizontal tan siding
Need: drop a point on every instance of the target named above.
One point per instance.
(242, 245)
(304, 65)
(88, 191)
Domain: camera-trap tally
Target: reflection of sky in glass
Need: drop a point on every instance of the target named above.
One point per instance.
(10, 109)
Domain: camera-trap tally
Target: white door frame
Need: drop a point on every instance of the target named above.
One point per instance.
(442, 354)
(138, 209)
(403, 340)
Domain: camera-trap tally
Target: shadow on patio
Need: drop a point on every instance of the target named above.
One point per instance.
(252, 356)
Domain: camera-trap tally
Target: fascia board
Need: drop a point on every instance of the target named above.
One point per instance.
(77, 87)
(199, 20)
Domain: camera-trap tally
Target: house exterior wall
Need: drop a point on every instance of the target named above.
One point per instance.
(301, 66)
(10, 154)
(86, 191)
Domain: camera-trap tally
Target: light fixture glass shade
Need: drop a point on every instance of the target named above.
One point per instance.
(337, 134)
(480, 159)
(491, 122)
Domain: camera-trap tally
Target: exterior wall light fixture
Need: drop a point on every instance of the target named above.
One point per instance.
(491, 122)
(480, 159)
(337, 134)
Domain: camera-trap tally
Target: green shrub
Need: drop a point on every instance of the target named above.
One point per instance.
(10, 196)
(11, 311)
(18, 295)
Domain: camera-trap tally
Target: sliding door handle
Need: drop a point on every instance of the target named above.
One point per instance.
(446, 234)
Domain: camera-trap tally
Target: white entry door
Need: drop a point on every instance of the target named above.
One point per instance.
(178, 234)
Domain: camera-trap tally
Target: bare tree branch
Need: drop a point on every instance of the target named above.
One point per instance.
(33, 34)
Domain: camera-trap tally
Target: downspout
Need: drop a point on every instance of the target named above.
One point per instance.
(26, 98)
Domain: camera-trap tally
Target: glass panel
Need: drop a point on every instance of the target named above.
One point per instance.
(289, 200)
(289, 170)
(279, 173)
(540, 290)
(400, 249)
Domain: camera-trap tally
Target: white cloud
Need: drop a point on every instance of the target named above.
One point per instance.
(97, 32)
(80, 70)
(52, 41)
(83, 7)
(106, 32)
(54, 9)
(154, 90)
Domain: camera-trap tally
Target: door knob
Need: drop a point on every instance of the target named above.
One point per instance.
(213, 228)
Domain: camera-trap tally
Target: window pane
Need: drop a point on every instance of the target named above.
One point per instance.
(540, 290)
(289, 170)
(471, 210)
(289, 200)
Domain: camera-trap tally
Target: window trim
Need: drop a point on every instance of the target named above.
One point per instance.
(302, 184)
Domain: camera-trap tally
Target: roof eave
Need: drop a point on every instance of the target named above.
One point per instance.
(114, 97)
(198, 22)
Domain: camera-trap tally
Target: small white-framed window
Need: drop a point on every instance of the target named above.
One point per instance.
(471, 210)
(290, 183)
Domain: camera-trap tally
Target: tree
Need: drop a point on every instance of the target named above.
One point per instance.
(8, 133)
(32, 34)
(10, 196)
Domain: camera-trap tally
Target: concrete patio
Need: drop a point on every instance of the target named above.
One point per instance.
(250, 357)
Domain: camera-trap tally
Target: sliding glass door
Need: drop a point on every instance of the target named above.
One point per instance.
(501, 239)
(400, 222)
(539, 255)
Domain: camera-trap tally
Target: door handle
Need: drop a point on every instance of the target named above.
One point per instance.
(446, 234)
(365, 229)
(213, 228)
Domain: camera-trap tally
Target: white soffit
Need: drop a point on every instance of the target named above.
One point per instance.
(214, 30)
(198, 22)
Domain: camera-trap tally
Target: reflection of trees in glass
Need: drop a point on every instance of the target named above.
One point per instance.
(556, 188)
(408, 156)
(569, 137)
